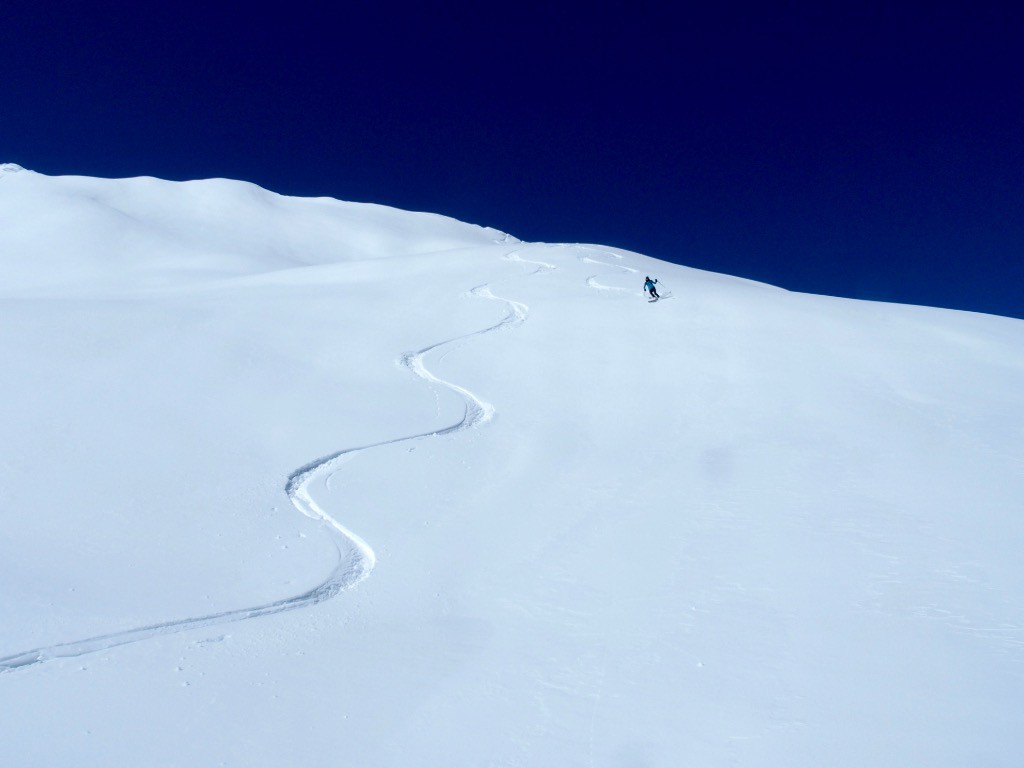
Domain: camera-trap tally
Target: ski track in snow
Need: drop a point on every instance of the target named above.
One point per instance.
(592, 283)
(359, 560)
(592, 280)
(542, 266)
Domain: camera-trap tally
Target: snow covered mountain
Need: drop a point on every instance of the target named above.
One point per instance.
(302, 482)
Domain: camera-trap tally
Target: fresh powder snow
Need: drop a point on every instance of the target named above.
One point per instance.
(299, 482)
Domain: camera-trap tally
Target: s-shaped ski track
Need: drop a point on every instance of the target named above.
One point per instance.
(356, 559)
(592, 280)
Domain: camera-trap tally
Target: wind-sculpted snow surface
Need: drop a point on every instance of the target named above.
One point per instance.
(356, 559)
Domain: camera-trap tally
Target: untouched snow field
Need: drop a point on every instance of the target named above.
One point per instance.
(297, 482)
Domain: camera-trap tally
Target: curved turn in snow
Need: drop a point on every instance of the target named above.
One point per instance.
(592, 280)
(356, 558)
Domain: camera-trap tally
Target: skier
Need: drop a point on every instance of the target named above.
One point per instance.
(649, 286)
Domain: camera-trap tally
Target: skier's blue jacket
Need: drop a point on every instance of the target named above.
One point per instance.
(649, 284)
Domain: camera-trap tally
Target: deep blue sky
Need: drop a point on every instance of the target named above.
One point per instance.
(871, 153)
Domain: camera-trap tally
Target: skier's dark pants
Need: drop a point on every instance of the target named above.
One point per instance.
(654, 293)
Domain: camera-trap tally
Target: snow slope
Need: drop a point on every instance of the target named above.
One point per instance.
(303, 482)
